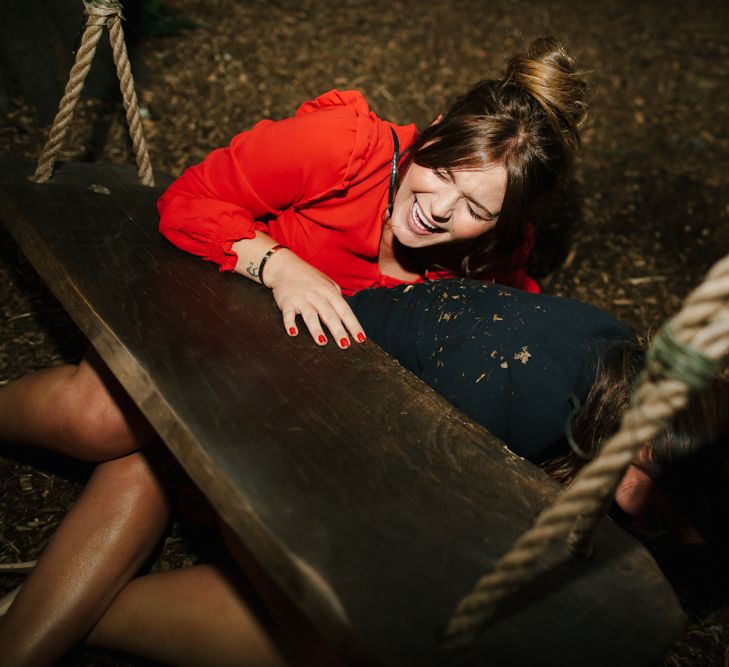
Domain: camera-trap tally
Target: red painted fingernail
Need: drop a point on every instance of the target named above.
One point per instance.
(361, 337)
(344, 342)
(292, 331)
(322, 339)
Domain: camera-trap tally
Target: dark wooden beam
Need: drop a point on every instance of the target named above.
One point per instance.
(371, 501)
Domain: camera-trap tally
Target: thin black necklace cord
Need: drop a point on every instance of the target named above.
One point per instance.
(393, 173)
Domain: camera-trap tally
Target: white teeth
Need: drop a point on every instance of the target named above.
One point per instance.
(421, 218)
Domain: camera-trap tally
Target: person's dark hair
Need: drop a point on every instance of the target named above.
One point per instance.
(689, 460)
(528, 122)
(606, 403)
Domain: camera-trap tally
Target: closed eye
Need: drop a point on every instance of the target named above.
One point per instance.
(446, 176)
(481, 218)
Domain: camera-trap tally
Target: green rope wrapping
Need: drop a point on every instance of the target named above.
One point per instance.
(666, 358)
(669, 358)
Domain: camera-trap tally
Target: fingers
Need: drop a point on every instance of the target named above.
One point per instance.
(330, 317)
(347, 318)
(300, 289)
(335, 315)
(313, 324)
(289, 320)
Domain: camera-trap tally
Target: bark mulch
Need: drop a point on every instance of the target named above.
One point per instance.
(637, 227)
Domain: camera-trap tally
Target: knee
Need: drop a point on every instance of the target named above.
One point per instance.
(98, 423)
(131, 481)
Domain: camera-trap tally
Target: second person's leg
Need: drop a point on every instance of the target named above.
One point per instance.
(81, 411)
(99, 546)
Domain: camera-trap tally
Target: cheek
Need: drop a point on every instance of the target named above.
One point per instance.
(472, 229)
(634, 497)
(403, 200)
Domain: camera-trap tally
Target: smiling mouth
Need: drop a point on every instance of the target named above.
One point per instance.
(419, 224)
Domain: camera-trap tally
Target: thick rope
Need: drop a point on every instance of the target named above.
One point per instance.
(126, 83)
(99, 12)
(702, 325)
(76, 78)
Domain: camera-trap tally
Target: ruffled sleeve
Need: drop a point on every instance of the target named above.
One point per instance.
(264, 171)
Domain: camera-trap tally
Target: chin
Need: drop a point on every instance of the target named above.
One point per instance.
(410, 239)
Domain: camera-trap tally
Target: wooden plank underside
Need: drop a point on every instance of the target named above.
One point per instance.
(372, 502)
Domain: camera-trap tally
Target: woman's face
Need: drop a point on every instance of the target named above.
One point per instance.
(445, 206)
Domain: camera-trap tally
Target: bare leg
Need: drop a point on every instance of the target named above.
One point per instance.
(193, 617)
(295, 634)
(97, 549)
(79, 410)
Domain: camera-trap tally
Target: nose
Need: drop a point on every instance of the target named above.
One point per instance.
(441, 207)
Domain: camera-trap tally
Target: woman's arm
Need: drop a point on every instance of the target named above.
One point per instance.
(298, 289)
(218, 209)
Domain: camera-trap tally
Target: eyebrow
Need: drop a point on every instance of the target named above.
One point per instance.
(473, 201)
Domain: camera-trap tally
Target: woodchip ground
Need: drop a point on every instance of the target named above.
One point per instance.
(636, 228)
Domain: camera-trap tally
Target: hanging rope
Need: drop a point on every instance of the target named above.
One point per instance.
(685, 357)
(99, 13)
(126, 83)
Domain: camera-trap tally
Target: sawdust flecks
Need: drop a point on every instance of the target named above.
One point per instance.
(523, 355)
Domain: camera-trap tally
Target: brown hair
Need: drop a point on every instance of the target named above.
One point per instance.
(528, 122)
(689, 459)
(606, 403)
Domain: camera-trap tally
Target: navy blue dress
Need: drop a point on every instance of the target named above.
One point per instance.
(509, 359)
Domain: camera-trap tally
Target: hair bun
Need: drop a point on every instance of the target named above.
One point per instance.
(548, 75)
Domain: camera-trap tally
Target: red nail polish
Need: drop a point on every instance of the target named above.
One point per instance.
(322, 339)
(344, 342)
(292, 331)
(361, 337)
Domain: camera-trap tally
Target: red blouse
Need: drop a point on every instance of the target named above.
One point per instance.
(316, 183)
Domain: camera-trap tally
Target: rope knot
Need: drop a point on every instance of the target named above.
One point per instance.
(102, 8)
(100, 13)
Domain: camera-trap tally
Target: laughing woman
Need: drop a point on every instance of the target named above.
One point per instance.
(336, 200)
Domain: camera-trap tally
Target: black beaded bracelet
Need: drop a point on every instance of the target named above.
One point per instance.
(265, 259)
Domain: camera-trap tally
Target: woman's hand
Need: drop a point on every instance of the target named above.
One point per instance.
(300, 289)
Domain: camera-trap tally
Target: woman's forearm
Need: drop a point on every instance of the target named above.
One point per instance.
(299, 289)
(255, 257)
